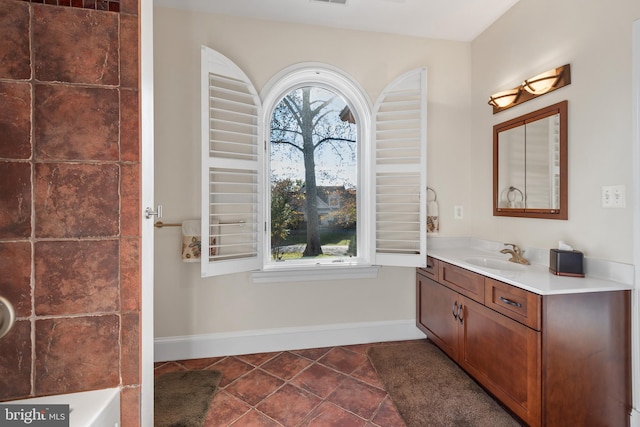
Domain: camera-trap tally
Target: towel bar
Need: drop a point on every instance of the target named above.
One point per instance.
(160, 224)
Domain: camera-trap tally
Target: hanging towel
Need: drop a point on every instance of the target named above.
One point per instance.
(433, 222)
(214, 239)
(191, 242)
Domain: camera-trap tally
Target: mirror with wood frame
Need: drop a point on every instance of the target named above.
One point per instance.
(530, 165)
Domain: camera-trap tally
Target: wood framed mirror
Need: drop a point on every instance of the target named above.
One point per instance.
(530, 165)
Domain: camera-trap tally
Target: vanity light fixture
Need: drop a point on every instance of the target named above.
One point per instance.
(504, 98)
(531, 88)
(544, 82)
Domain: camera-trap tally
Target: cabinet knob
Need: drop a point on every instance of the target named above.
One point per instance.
(460, 311)
(454, 309)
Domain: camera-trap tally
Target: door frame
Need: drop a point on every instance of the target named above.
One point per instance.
(147, 200)
(635, 304)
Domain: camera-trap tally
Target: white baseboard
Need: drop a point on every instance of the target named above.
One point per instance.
(268, 340)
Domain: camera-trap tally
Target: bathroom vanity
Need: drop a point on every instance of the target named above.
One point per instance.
(555, 354)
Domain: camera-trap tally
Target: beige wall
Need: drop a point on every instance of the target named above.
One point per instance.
(534, 36)
(527, 40)
(185, 304)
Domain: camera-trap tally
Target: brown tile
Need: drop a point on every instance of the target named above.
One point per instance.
(258, 359)
(327, 415)
(312, 353)
(130, 210)
(15, 362)
(232, 368)
(14, 41)
(76, 123)
(343, 360)
(357, 397)
(168, 367)
(319, 380)
(286, 365)
(15, 200)
(15, 280)
(130, 278)
(75, 45)
(224, 410)
(255, 418)
(129, 51)
(130, 349)
(388, 415)
(254, 386)
(130, 407)
(199, 363)
(129, 6)
(76, 277)
(129, 125)
(367, 374)
(15, 118)
(289, 405)
(76, 354)
(76, 200)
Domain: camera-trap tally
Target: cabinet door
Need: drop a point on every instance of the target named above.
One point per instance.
(437, 313)
(504, 356)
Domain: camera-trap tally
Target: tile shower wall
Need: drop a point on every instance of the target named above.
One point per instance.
(70, 198)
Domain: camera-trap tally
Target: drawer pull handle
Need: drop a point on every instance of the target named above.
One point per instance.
(508, 301)
(454, 309)
(460, 311)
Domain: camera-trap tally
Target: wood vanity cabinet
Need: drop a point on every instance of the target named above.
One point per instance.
(553, 360)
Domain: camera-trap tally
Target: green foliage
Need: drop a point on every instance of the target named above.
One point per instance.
(285, 198)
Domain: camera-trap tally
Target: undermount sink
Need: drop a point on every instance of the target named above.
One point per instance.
(495, 264)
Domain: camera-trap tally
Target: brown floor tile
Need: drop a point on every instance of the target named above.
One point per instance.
(319, 380)
(289, 405)
(366, 373)
(312, 353)
(329, 415)
(200, 363)
(387, 415)
(357, 397)
(225, 409)
(254, 387)
(322, 387)
(342, 359)
(255, 418)
(232, 368)
(258, 359)
(286, 366)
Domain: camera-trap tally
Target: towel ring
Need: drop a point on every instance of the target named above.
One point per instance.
(435, 196)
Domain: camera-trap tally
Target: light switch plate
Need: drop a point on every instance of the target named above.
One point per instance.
(614, 196)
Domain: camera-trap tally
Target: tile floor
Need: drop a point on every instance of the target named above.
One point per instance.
(323, 387)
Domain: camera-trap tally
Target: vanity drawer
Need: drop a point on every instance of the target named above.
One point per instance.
(431, 270)
(518, 304)
(463, 281)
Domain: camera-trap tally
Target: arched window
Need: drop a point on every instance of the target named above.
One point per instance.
(308, 176)
(316, 120)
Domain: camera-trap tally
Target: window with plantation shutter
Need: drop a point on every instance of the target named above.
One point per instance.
(400, 172)
(236, 188)
(231, 162)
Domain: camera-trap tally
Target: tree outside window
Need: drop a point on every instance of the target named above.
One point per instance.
(313, 175)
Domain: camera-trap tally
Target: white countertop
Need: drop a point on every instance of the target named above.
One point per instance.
(537, 278)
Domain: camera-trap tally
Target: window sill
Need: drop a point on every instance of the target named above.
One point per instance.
(315, 272)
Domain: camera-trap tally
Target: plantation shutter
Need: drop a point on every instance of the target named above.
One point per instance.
(231, 168)
(399, 172)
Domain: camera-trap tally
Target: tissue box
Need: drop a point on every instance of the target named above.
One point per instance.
(566, 263)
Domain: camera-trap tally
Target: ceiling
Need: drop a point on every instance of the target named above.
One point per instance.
(460, 20)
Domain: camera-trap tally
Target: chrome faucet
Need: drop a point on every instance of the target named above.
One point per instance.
(516, 254)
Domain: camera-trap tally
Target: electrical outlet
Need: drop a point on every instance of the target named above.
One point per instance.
(458, 212)
(614, 196)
